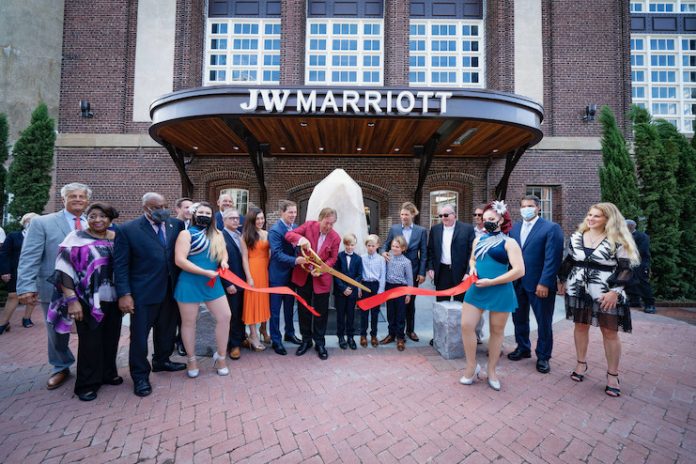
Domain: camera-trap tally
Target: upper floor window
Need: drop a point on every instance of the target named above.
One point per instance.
(240, 198)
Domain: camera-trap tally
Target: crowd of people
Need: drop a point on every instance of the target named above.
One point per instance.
(86, 272)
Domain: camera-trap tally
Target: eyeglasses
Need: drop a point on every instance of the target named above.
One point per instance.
(477, 215)
(234, 218)
(444, 215)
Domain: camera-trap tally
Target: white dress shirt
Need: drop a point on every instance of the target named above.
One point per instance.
(447, 234)
(526, 229)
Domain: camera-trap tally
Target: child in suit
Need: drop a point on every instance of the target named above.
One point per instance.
(399, 274)
(374, 274)
(346, 295)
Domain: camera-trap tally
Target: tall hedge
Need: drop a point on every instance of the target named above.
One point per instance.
(4, 152)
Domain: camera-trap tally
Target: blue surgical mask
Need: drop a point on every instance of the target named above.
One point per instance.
(528, 212)
(160, 215)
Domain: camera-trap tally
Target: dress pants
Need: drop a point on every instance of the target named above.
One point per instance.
(639, 288)
(237, 334)
(59, 354)
(543, 312)
(311, 327)
(445, 281)
(396, 313)
(288, 304)
(411, 310)
(97, 348)
(345, 314)
(161, 319)
(372, 313)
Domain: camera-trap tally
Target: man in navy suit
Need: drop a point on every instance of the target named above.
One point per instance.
(639, 288)
(235, 296)
(417, 239)
(283, 261)
(542, 250)
(145, 280)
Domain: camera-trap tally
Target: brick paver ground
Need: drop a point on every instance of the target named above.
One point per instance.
(371, 405)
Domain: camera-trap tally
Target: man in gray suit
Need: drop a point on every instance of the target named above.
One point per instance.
(37, 263)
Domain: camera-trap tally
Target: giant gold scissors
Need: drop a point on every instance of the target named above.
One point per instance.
(314, 263)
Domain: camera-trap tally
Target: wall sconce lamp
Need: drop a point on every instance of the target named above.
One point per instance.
(85, 109)
(590, 112)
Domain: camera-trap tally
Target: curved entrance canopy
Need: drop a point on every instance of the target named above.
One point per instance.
(286, 121)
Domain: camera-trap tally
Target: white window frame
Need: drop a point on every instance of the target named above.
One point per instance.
(240, 198)
(545, 194)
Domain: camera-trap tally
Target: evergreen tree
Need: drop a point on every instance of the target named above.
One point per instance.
(30, 171)
(4, 152)
(657, 165)
(617, 176)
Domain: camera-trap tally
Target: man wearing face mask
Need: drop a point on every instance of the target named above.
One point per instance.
(145, 279)
(542, 250)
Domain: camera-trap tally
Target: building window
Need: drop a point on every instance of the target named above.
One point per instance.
(344, 51)
(663, 6)
(663, 75)
(446, 53)
(440, 198)
(242, 51)
(545, 194)
(240, 197)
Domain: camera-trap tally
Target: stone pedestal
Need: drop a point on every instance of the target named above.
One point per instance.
(447, 329)
(205, 333)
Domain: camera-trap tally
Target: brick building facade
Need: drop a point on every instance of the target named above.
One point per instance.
(584, 63)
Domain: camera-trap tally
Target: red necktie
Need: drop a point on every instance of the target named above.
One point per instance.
(78, 223)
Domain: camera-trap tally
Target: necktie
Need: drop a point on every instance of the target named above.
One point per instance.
(78, 223)
(160, 234)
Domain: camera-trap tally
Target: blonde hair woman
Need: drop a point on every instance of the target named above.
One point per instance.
(592, 277)
(199, 251)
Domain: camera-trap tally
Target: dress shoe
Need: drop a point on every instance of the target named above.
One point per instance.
(57, 379)
(142, 387)
(192, 373)
(387, 340)
(374, 342)
(264, 335)
(4, 328)
(543, 366)
(279, 348)
(469, 380)
(87, 396)
(432, 342)
(246, 344)
(494, 384)
(235, 353)
(302, 349)
(363, 342)
(180, 350)
(401, 345)
(519, 354)
(650, 310)
(323, 354)
(413, 336)
(224, 370)
(26, 322)
(118, 380)
(292, 339)
(168, 366)
(342, 343)
(351, 344)
(478, 340)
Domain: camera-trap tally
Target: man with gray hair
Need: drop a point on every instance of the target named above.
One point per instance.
(37, 263)
(639, 288)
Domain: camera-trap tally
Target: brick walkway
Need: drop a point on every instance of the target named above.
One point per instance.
(372, 405)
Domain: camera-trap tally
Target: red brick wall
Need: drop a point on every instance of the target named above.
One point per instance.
(292, 43)
(500, 41)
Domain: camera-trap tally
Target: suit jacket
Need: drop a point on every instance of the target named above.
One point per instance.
(328, 253)
(37, 261)
(282, 255)
(143, 267)
(417, 251)
(460, 249)
(642, 243)
(234, 259)
(9, 253)
(542, 253)
(353, 271)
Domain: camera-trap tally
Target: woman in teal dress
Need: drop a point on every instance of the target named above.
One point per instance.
(199, 252)
(497, 261)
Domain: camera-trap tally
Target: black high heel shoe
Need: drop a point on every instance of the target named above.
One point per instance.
(26, 322)
(613, 391)
(4, 328)
(579, 377)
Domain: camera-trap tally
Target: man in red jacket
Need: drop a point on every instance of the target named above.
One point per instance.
(314, 287)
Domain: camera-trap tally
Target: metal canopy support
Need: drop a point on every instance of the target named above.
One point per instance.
(181, 160)
(425, 153)
(511, 160)
(256, 153)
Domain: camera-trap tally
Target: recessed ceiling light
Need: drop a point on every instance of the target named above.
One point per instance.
(359, 149)
(235, 147)
(195, 147)
(397, 149)
(303, 124)
(449, 150)
(371, 124)
(321, 148)
(282, 148)
(495, 150)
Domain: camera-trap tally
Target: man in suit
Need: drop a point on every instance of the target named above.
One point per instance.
(224, 201)
(283, 261)
(639, 288)
(37, 263)
(542, 250)
(315, 287)
(183, 213)
(235, 296)
(145, 279)
(417, 253)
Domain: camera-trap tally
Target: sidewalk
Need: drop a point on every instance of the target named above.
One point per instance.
(369, 405)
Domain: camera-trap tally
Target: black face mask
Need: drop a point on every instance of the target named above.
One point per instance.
(490, 226)
(203, 221)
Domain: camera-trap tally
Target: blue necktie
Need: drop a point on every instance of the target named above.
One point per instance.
(160, 235)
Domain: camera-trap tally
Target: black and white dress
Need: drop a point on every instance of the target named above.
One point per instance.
(587, 274)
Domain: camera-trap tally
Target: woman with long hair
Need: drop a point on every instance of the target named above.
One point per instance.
(497, 260)
(255, 258)
(199, 252)
(592, 277)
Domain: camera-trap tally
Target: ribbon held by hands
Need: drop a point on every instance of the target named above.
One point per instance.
(231, 277)
(377, 300)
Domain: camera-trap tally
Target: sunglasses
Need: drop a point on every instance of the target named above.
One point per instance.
(477, 215)
(444, 215)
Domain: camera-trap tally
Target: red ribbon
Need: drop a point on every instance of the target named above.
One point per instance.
(377, 300)
(231, 277)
